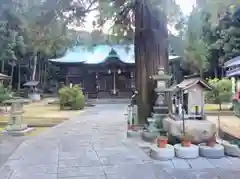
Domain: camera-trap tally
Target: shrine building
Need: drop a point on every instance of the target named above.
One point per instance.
(102, 71)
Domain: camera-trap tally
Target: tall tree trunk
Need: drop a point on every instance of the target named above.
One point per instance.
(45, 75)
(19, 75)
(216, 72)
(12, 71)
(150, 54)
(39, 72)
(34, 67)
(3, 66)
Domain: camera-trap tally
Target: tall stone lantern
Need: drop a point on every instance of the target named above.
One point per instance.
(163, 101)
(160, 108)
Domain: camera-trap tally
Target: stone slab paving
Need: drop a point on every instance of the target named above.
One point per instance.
(94, 146)
(8, 145)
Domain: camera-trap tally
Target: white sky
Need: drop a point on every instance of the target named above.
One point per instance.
(186, 6)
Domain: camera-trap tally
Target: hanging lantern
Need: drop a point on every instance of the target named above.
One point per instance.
(131, 74)
(119, 71)
(109, 71)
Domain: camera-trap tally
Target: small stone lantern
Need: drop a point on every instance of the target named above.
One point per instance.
(16, 126)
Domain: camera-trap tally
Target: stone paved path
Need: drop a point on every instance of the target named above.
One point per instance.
(92, 146)
(8, 145)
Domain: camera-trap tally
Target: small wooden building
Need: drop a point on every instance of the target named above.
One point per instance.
(189, 97)
(102, 71)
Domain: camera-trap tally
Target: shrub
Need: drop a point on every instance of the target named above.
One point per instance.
(221, 93)
(5, 94)
(71, 98)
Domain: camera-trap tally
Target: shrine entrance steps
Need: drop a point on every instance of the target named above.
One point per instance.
(109, 101)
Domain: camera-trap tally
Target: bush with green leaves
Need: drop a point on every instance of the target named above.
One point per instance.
(221, 93)
(5, 94)
(71, 98)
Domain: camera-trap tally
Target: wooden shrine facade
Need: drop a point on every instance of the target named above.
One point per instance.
(102, 81)
(105, 72)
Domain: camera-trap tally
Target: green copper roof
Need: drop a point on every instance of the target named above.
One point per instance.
(99, 53)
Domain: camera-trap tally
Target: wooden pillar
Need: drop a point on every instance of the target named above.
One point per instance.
(67, 80)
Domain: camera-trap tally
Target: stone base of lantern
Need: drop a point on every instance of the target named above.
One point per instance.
(34, 96)
(214, 152)
(163, 154)
(190, 152)
(18, 132)
(134, 134)
(149, 136)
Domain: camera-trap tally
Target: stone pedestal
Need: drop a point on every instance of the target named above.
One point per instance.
(34, 96)
(163, 154)
(186, 152)
(134, 134)
(214, 152)
(230, 149)
(201, 130)
(16, 126)
(150, 136)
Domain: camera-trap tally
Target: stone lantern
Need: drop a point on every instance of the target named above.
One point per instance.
(163, 102)
(160, 108)
(16, 125)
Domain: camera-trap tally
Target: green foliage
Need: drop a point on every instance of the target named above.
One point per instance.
(211, 29)
(71, 98)
(122, 14)
(5, 94)
(236, 107)
(221, 93)
(235, 142)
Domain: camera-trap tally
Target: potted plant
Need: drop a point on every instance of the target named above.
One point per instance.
(211, 142)
(186, 140)
(162, 141)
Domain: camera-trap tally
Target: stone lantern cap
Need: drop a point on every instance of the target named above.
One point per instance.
(17, 100)
(161, 76)
(32, 83)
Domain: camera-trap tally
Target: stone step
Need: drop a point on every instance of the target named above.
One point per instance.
(109, 101)
(158, 116)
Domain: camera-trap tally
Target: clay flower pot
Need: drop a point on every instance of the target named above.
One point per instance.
(186, 143)
(162, 141)
(186, 140)
(212, 141)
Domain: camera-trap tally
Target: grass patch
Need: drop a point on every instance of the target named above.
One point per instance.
(215, 107)
(42, 115)
(48, 110)
(1, 128)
